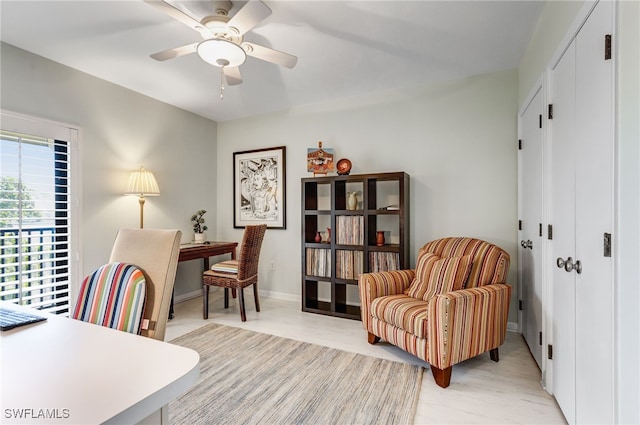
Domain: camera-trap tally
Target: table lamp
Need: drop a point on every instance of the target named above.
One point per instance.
(142, 183)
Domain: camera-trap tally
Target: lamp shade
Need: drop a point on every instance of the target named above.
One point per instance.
(142, 183)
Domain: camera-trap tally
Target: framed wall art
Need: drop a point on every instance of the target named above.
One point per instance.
(320, 161)
(259, 187)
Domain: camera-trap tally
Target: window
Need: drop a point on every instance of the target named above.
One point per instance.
(37, 219)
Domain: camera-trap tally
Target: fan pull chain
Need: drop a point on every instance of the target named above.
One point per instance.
(222, 82)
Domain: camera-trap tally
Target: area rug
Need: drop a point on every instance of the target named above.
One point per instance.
(248, 377)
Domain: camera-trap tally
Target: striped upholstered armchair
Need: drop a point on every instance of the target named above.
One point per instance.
(453, 306)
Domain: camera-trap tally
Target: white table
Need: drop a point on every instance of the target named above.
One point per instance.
(88, 374)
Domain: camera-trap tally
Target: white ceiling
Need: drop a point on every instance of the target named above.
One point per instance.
(344, 49)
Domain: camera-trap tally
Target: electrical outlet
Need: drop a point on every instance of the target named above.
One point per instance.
(273, 265)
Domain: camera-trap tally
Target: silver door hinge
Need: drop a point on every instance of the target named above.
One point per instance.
(550, 111)
(550, 351)
(607, 47)
(549, 232)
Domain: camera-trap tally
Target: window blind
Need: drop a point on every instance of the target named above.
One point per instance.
(34, 221)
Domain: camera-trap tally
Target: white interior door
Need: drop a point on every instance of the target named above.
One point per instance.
(530, 205)
(581, 212)
(594, 217)
(562, 218)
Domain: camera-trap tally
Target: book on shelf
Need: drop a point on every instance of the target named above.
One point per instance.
(350, 230)
(383, 261)
(318, 262)
(348, 264)
(393, 207)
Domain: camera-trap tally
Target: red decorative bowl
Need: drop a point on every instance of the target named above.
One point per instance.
(343, 167)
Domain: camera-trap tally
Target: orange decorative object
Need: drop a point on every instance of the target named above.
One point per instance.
(380, 238)
(343, 167)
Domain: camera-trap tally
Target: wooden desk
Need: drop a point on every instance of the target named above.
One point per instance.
(204, 250)
(66, 371)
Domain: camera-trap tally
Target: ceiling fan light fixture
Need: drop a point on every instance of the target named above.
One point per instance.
(221, 53)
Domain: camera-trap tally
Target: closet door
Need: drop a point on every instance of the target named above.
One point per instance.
(530, 213)
(562, 219)
(594, 218)
(582, 217)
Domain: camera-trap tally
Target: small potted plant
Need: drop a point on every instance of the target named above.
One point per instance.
(199, 227)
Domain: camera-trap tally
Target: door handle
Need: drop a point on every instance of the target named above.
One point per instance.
(578, 267)
(569, 265)
(526, 244)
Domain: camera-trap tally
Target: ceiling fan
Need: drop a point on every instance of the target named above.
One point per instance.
(223, 45)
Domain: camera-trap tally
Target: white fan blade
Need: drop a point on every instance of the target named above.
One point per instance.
(232, 75)
(174, 53)
(176, 14)
(248, 17)
(270, 55)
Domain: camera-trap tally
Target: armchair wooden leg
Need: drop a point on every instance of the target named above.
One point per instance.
(442, 376)
(226, 297)
(494, 354)
(205, 301)
(243, 314)
(373, 338)
(255, 296)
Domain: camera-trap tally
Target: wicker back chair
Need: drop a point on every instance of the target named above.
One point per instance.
(236, 274)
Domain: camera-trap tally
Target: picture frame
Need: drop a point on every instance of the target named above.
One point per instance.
(320, 160)
(259, 188)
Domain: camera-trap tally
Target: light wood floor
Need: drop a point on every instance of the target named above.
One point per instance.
(481, 391)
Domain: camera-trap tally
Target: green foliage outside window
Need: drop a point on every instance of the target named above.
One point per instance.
(13, 196)
(15, 199)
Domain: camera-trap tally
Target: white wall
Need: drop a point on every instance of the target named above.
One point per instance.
(555, 21)
(628, 205)
(457, 141)
(120, 130)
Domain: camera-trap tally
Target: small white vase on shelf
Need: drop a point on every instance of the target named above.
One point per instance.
(352, 201)
(199, 237)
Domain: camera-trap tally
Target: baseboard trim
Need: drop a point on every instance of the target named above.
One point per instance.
(268, 294)
(512, 327)
(279, 295)
(187, 296)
